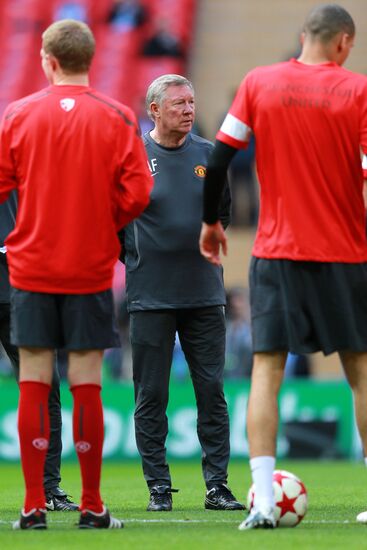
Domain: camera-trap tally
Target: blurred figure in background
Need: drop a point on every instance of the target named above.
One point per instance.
(243, 182)
(162, 41)
(238, 334)
(245, 200)
(127, 14)
(71, 10)
(297, 365)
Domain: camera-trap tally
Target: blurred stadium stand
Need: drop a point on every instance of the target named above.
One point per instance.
(222, 40)
(118, 68)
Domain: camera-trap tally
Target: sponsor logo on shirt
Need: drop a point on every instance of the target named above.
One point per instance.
(67, 103)
(200, 171)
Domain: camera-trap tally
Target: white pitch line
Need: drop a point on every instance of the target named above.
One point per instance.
(188, 521)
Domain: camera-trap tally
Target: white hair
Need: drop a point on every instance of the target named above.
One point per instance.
(157, 89)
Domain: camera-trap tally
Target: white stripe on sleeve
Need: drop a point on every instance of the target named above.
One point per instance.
(364, 162)
(235, 128)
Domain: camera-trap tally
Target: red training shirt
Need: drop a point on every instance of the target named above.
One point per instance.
(310, 124)
(79, 165)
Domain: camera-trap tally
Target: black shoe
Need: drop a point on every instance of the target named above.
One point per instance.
(220, 497)
(35, 519)
(160, 498)
(57, 500)
(104, 520)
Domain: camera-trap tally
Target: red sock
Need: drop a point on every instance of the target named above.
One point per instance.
(88, 440)
(34, 434)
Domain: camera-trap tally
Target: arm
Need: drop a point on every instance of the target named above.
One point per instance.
(225, 205)
(121, 236)
(212, 237)
(135, 181)
(8, 180)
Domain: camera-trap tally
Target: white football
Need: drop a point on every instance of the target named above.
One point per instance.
(290, 498)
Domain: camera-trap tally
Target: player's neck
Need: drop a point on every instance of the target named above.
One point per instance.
(315, 54)
(71, 79)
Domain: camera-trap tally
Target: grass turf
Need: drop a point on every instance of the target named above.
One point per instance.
(336, 494)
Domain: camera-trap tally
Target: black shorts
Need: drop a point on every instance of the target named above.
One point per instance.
(304, 307)
(63, 321)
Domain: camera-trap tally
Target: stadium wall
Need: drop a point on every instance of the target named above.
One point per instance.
(317, 421)
(234, 36)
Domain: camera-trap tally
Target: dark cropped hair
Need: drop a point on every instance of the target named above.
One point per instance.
(327, 20)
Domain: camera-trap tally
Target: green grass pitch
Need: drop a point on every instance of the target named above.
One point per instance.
(337, 492)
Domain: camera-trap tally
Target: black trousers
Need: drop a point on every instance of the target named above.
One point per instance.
(52, 476)
(202, 336)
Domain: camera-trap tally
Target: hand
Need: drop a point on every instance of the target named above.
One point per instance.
(212, 239)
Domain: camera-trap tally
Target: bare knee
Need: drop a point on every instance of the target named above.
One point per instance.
(355, 368)
(268, 370)
(36, 364)
(85, 367)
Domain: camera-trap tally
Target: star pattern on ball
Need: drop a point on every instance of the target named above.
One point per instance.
(286, 505)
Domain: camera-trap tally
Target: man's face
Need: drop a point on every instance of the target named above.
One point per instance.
(176, 114)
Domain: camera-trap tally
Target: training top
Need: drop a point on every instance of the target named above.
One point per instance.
(164, 267)
(78, 163)
(310, 125)
(8, 212)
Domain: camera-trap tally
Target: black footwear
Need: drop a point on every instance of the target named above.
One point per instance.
(35, 519)
(57, 500)
(160, 498)
(104, 520)
(220, 497)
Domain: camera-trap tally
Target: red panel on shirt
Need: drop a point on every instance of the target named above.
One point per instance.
(310, 123)
(81, 171)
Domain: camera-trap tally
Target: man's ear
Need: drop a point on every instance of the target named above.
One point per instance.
(155, 109)
(53, 62)
(344, 40)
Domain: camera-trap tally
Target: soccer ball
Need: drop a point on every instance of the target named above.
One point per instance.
(290, 498)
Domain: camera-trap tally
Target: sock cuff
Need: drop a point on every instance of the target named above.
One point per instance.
(35, 383)
(261, 461)
(88, 387)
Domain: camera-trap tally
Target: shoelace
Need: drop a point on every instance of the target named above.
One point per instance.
(66, 498)
(224, 491)
(160, 497)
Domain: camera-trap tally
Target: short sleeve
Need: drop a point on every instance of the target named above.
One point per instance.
(236, 128)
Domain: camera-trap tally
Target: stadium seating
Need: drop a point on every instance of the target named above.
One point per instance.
(180, 15)
(118, 68)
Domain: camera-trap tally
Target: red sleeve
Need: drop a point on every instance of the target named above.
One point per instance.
(236, 128)
(363, 127)
(7, 168)
(135, 180)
